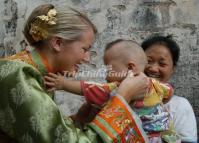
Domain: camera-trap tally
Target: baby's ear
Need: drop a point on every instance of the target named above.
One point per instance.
(132, 66)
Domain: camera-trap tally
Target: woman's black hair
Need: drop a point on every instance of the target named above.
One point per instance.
(163, 40)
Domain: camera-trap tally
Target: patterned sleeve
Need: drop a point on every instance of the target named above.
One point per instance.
(164, 89)
(96, 93)
(117, 123)
(158, 92)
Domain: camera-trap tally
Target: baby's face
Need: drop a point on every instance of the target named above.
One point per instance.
(117, 70)
(119, 64)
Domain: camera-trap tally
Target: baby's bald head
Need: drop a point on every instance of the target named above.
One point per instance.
(126, 51)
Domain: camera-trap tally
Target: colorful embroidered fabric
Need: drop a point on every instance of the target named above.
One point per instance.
(150, 110)
(157, 92)
(154, 117)
(119, 126)
(96, 93)
(23, 56)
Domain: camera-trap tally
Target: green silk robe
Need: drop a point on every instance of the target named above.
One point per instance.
(29, 115)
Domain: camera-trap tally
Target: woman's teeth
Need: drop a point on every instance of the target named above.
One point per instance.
(153, 76)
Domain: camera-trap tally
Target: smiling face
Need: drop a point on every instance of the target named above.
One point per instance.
(160, 64)
(74, 53)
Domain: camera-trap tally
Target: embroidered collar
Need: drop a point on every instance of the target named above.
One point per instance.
(41, 62)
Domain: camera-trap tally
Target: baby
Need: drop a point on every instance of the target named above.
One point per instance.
(124, 55)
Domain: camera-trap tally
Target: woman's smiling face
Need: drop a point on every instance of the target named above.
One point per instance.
(160, 64)
(75, 53)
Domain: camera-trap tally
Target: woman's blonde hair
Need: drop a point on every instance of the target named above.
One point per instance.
(68, 24)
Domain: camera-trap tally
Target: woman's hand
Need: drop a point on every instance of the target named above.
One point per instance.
(133, 86)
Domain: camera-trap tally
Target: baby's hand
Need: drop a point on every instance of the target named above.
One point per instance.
(54, 81)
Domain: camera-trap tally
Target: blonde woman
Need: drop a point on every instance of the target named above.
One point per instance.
(61, 38)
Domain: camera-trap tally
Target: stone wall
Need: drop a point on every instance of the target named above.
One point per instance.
(134, 19)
